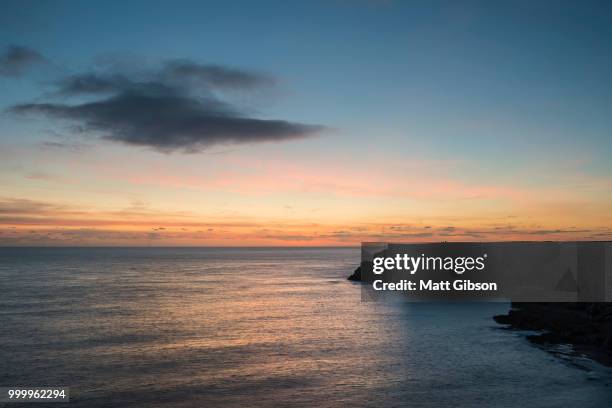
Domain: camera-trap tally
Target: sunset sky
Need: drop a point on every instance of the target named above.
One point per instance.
(304, 123)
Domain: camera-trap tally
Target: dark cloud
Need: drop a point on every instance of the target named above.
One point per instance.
(175, 74)
(176, 107)
(91, 83)
(215, 75)
(15, 60)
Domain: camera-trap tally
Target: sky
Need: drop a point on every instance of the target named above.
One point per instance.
(309, 123)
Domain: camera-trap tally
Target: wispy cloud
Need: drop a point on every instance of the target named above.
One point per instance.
(29, 222)
(15, 60)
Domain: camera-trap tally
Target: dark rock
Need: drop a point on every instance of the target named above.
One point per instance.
(586, 326)
(356, 276)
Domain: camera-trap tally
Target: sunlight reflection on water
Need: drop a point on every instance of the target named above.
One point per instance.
(257, 327)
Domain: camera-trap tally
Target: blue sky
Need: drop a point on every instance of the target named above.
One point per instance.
(500, 86)
(365, 65)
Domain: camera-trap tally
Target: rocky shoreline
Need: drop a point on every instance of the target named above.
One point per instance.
(587, 327)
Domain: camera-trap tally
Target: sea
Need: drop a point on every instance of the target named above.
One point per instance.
(261, 327)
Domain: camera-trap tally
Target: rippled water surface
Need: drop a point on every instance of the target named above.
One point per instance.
(260, 327)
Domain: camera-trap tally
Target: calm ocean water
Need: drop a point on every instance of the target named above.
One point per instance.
(260, 327)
